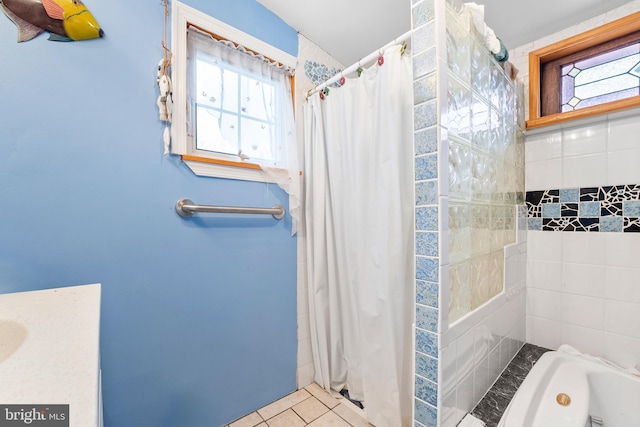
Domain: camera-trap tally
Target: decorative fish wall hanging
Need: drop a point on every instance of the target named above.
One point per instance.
(65, 20)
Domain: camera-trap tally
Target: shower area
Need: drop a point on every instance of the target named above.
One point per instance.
(469, 198)
(464, 309)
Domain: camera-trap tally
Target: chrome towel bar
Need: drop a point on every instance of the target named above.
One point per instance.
(185, 208)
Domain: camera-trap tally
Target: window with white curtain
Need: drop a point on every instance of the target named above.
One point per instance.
(236, 102)
(237, 121)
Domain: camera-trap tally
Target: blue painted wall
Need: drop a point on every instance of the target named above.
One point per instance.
(198, 315)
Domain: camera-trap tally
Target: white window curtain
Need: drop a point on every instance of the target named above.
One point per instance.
(359, 211)
(282, 166)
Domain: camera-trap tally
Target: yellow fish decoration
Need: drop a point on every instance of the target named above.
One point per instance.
(65, 20)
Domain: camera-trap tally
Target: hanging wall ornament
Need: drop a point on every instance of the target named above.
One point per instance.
(165, 99)
(65, 20)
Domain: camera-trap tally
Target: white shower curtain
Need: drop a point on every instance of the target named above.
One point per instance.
(360, 247)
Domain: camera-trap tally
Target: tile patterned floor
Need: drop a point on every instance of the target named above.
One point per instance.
(311, 406)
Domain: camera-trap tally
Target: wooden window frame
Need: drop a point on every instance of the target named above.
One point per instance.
(591, 40)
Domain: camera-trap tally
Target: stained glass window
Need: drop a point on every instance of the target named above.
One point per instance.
(606, 77)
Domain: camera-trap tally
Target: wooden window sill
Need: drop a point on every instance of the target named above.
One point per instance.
(229, 169)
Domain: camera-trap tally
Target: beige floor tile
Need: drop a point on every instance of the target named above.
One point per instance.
(322, 395)
(286, 419)
(283, 404)
(250, 420)
(262, 425)
(355, 416)
(330, 419)
(310, 409)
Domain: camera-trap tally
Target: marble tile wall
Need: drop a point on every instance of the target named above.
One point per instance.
(493, 404)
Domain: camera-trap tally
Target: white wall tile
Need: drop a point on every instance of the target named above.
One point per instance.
(582, 311)
(505, 352)
(544, 332)
(464, 394)
(586, 340)
(624, 133)
(622, 318)
(584, 248)
(497, 325)
(448, 368)
(579, 141)
(303, 298)
(543, 174)
(495, 368)
(622, 167)
(545, 304)
(622, 249)
(464, 354)
(305, 375)
(514, 270)
(622, 350)
(544, 246)
(304, 330)
(544, 274)
(481, 381)
(543, 147)
(484, 341)
(305, 356)
(521, 335)
(448, 410)
(584, 279)
(623, 284)
(584, 171)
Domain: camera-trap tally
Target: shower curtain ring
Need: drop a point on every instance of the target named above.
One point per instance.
(380, 57)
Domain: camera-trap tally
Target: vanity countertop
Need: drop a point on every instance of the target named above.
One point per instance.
(49, 350)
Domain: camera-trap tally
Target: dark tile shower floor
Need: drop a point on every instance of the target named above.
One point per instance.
(494, 403)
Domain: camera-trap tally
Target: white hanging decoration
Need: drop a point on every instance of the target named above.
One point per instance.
(165, 101)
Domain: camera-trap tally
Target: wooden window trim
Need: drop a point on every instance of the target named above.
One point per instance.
(597, 36)
(214, 161)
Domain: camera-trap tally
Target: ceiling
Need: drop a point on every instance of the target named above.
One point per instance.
(351, 29)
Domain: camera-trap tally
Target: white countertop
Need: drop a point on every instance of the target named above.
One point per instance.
(49, 350)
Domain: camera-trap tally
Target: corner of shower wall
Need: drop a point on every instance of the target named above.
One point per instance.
(456, 364)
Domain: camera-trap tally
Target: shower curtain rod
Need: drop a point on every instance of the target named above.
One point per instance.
(373, 55)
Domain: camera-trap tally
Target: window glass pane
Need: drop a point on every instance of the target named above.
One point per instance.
(209, 82)
(258, 139)
(567, 88)
(257, 99)
(608, 56)
(216, 86)
(601, 87)
(216, 131)
(609, 97)
(614, 68)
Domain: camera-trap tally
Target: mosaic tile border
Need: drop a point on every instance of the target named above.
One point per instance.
(319, 73)
(613, 208)
(428, 237)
